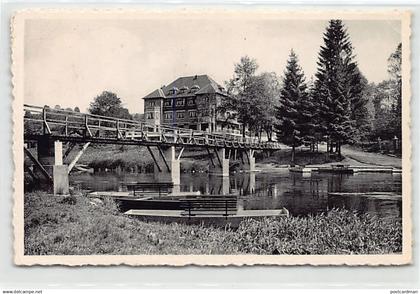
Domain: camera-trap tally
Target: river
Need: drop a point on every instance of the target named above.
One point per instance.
(300, 194)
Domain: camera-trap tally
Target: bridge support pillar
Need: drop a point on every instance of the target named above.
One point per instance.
(50, 155)
(248, 161)
(167, 168)
(220, 185)
(220, 166)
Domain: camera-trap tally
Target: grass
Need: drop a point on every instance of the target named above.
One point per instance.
(370, 157)
(77, 225)
(111, 157)
(130, 157)
(302, 157)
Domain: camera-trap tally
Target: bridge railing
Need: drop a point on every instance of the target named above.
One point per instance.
(44, 120)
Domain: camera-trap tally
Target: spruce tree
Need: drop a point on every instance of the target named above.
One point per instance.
(290, 126)
(337, 85)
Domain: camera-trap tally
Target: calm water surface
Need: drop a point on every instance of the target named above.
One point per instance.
(300, 194)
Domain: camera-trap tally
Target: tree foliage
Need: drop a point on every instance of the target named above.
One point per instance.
(394, 69)
(386, 101)
(240, 88)
(109, 104)
(251, 97)
(292, 113)
(268, 102)
(338, 86)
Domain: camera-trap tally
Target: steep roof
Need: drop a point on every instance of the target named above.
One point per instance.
(198, 84)
(158, 93)
(206, 84)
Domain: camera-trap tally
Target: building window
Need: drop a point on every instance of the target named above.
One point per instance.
(180, 115)
(168, 115)
(191, 102)
(168, 102)
(149, 115)
(152, 103)
(193, 113)
(180, 102)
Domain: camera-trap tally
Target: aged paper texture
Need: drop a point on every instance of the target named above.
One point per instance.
(63, 59)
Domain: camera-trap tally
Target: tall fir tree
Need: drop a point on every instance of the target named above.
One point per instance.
(290, 128)
(337, 85)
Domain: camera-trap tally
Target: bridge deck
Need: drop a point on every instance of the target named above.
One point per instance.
(82, 127)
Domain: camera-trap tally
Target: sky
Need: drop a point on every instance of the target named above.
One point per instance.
(71, 61)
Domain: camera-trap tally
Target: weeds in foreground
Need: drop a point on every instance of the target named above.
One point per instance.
(77, 225)
(336, 232)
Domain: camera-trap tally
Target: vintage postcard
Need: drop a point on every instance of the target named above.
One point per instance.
(211, 136)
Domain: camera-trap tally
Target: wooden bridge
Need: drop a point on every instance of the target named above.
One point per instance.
(82, 127)
(50, 127)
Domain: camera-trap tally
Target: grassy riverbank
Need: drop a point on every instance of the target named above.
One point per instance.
(137, 158)
(77, 225)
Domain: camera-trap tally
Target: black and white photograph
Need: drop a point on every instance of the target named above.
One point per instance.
(212, 137)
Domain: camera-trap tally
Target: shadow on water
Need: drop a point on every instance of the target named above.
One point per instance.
(300, 194)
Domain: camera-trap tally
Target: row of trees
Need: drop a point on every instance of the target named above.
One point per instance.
(338, 107)
(334, 109)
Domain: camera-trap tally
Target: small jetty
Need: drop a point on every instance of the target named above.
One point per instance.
(301, 169)
(345, 169)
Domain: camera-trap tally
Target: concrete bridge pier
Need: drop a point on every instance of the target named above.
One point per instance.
(50, 156)
(220, 166)
(248, 160)
(167, 165)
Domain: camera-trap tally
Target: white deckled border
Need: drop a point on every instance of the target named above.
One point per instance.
(17, 41)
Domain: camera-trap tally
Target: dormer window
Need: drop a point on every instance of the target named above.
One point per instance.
(184, 89)
(173, 91)
(195, 88)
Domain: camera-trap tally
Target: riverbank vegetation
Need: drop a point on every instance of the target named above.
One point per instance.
(138, 159)
(337, 105)
(301, 157)
(78, 225)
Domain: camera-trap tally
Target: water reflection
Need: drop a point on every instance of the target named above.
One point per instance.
(300, 194)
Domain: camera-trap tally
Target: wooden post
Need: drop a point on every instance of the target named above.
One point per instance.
(66, 128)
(164, 159)
(79, 154)
(154, 158)
(38, 165)
(118, 128)
(44, 120)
